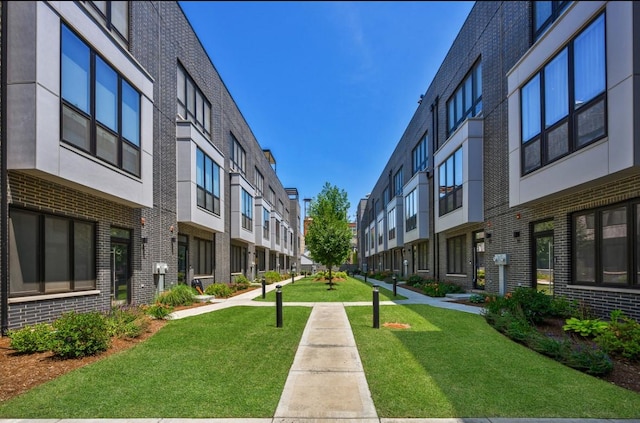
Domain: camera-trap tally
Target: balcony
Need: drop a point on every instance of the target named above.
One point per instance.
(34, 99)
(469, 138)
(188, 141)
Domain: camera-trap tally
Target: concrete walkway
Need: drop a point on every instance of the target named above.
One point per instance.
(326, 382)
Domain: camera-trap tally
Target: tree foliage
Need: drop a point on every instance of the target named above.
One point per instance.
(328, 234)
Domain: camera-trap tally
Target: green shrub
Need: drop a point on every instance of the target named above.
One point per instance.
(80, 334)
(178, 295)
(477, 299)
(31, 339)
(622, 338)
(440, 289)
(340, 275)
(517, 326)
(271, 277)
(414, 280)
(561, 307)
(535, 305)
(239, 286)
(219, 290)
(241, 279)
(586, 328)
(126, 322)
(158, 310)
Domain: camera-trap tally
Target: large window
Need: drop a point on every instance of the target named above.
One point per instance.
(277, 231)
(259, 182)
(385, 196)
(450, 176)
(100, 109)
(266, 218)
(192, 104)
(207, 182)
(410, 211)
(380, 231)
(203, 257)
(419, 155)
(238, 156)
(391, 223)
(466, 101)
(272, 197)
(50, 254)
(398, 182)
(563, 107)
(606, 246)
(247, 210)
(114, 15)
(423, 258)
(456, 255)
(544, 14)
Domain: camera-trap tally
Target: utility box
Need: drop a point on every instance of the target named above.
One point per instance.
(160, 268)
(501, 259)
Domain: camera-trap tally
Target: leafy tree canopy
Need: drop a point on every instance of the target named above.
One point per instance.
(328, 234)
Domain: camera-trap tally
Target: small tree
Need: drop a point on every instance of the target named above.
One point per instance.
(328, 234)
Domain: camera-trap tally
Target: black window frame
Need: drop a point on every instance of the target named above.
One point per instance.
(476, 103)
(391, 229)
(573, 111)
(456, 265)
(207, 267)
(91, 118)
(398, 182)
(190, 112)
(453, 197)
(557, 8)
(632, 257)
(41, 252)
(238, 156)
(246, 207)
(420, 155)
(211, 201)
(107, 19)
(410, 205)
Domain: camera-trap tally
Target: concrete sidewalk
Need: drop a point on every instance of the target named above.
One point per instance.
(326, 380)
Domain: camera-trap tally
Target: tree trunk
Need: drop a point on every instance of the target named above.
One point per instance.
(330, 279)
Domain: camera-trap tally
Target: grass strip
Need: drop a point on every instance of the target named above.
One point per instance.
(228, 363)
(452, 364)
(349, 290)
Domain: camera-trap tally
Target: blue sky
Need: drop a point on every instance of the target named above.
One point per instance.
(328, 87)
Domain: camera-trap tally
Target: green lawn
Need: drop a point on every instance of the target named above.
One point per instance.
(234, 363)
(229, 363)
(452, 364)
(350, 290)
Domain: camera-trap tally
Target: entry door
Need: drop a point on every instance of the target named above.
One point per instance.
(542, 254)
(478, 260)
(120, 273)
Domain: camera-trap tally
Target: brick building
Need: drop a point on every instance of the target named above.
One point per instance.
(520, 165)
(130, 167)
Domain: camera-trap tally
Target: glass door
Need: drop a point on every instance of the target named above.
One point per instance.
(543, 257)
(478, 260)
(120, 266)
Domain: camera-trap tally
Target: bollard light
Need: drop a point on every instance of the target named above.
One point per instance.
(395, 285)
(279, 306)
(376, 307)
(264, 287)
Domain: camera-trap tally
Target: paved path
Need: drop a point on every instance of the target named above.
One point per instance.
(326, 382)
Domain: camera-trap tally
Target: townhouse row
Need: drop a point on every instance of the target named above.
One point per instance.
(128, 166)
(520, 166)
